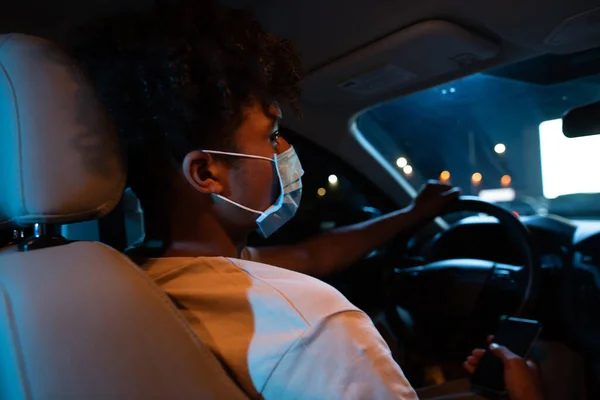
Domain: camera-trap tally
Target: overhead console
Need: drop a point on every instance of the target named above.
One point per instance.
(421, 52)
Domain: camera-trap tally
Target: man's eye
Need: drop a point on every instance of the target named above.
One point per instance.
(275, 138)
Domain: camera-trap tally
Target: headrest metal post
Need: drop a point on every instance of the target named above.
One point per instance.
(44, 236)
(39, 230)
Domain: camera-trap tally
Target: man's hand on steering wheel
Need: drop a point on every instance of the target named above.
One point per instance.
(432, 198)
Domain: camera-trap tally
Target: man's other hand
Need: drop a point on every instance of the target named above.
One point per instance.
(521, 377)
(432, 198)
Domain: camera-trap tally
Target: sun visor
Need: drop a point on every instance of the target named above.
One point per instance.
(581, 30)
(415, 54)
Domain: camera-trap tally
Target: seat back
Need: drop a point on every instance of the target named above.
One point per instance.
(78, 320)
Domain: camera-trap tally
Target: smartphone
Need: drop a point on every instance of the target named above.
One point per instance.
(518, 335)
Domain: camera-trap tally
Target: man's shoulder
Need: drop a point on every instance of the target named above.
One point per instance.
(269, 289)
(312, 298)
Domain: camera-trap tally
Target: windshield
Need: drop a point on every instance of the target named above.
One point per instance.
(497, 137)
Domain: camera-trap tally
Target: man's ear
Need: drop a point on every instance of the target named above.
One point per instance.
(202, 172)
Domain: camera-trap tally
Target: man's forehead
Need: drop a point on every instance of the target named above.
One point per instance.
(271, 111)
(262, 117)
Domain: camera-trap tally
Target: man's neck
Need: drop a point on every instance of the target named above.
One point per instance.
(201, 236)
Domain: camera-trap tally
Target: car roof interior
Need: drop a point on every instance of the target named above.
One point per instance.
(358, 53)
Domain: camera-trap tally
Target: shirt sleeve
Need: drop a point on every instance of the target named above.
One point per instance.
(343, 357)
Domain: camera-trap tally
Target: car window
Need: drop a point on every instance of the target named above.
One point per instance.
(334, 194)
(498, 135)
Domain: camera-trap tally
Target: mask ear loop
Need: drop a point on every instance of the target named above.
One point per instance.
(226, 153)
(239, 205)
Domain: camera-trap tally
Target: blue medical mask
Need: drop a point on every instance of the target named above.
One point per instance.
(289, 173)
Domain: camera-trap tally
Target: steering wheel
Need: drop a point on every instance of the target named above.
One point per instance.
(482, 279)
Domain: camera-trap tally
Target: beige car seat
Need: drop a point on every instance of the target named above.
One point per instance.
(78, 320)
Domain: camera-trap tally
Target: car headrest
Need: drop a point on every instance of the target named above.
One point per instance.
(60, 160)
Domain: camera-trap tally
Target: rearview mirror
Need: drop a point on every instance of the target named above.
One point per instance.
(582, 121)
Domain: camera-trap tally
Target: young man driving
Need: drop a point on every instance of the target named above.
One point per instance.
(194, 92)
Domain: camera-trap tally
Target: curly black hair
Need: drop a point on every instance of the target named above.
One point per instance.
(179, 78)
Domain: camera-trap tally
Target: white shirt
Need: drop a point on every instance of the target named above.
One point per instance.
(282, 335)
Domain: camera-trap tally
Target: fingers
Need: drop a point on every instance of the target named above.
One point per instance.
(437, 186)
(433, 182)
(473, 360)
(532, 366)
(490, 338)
(453, 193)
(478, 353)
(476, 356)
(502, 352)
(469, 367)
(444, 189)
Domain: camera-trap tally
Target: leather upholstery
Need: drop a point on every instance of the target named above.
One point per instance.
(59, 157)
(80, 320)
